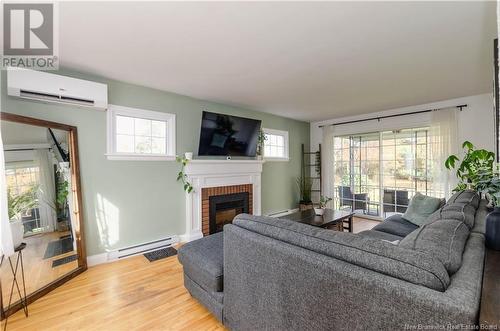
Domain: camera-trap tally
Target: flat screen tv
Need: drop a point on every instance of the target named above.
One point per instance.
(225, 135)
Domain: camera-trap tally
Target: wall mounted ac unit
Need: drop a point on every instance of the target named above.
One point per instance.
(42, 86)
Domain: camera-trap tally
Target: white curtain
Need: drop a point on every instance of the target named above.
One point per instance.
(47, 191)
(327, 161)
(6, 244)
(443, 143)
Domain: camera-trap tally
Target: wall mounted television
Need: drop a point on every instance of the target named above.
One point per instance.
(226, 135)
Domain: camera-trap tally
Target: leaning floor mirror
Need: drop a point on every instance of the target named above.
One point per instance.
(44, 203)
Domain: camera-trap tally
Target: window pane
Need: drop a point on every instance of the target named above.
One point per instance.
(158, 145)
(158, 128)
(124, 144)
(279, 141)
(124, 125)
(274, 146)
(142, 127)
(143, 145)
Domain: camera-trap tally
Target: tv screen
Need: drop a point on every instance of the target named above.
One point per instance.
(228, 135)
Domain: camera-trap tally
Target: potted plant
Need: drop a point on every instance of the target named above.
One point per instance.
(323, 201)
(477, 171)
(181, 176)
(305, 186)
(17, 206)
(261, 138)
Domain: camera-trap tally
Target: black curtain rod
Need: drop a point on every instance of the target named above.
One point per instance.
(24, 149)
(460, 107)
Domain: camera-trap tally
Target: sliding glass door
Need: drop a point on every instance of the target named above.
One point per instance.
(378, 173)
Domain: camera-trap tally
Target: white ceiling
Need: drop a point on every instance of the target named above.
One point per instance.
(304, 60)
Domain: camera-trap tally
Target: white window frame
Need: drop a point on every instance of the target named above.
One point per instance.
(284, 134)
(114, 110)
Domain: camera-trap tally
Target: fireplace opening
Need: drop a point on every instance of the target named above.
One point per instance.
(224, 208)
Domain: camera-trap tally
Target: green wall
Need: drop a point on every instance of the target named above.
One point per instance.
(130, 202)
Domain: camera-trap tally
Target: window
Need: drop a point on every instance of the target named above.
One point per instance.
(378, 173)
(136, 134)
(276, 145)
(23, 180)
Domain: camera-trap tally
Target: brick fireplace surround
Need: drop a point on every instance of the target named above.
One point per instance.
(211, 177)
(208, 192)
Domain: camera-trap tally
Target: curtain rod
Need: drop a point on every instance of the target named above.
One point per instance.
(378, 118)
(24, 149)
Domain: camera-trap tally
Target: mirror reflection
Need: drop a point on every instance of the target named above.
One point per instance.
(37, 167)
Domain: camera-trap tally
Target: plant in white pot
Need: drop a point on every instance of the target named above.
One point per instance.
(323, 201)
(18, 205)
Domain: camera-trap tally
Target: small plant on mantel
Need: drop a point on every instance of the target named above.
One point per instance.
(181, 176)
(261, 139)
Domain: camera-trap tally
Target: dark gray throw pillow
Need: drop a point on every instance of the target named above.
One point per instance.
(443, 239)
(420, 208)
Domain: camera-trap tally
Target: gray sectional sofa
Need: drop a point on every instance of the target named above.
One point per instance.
(274, 274)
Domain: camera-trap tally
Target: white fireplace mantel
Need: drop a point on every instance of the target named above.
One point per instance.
(216, 173)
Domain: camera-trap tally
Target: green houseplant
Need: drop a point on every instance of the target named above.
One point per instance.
(305, 187)
(181, 176)
(476, 169)
(19, 204)
(261, 139)
(323, 201)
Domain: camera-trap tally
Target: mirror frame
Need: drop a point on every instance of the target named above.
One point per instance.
(77, 197)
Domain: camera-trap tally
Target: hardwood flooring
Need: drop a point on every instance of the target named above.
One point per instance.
(37, 270)
(131, 294)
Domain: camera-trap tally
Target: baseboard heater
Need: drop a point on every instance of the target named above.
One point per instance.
(142, 248)
(282, 213)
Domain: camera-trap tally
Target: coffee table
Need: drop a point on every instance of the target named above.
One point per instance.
(329, 218)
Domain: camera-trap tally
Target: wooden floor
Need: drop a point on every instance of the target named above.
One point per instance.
(37, 270)
(132, 294)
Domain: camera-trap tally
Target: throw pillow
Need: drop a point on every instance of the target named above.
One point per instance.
(420, 208)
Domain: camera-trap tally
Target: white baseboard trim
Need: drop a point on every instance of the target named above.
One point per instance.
(282, 213)
(93, 260)
(187, 237)
(123, 253)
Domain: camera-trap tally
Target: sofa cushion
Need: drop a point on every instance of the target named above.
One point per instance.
(374, 254)
(379, 235)
(421, 207)
(466, 196)
(396, 225)
(460, 211)
(443, 239)
(480, 218)
(203, 261)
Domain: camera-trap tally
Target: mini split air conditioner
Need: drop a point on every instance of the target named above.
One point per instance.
(45, 87)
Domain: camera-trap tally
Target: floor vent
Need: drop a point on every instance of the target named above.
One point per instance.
(160, 254)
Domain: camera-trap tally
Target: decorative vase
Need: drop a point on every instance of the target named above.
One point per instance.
(319, 211)
(17, 230)
(493, 229)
